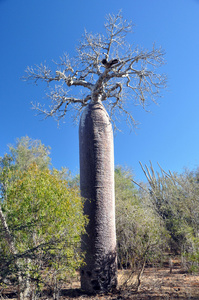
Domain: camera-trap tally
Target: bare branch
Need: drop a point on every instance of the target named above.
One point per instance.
(106, 68)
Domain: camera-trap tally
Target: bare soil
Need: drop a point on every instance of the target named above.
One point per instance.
(156, 283)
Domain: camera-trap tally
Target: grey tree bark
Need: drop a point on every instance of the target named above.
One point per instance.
(99, 274)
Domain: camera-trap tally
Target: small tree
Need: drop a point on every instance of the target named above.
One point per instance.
(41, 218)
(105, 70)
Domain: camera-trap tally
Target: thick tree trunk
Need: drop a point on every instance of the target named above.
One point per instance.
(97, 186)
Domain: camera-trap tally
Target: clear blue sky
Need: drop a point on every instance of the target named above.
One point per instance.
(35, 31)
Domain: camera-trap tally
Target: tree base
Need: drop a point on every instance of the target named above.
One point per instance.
(102, 278)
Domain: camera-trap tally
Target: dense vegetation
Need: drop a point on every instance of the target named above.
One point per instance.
(158, 218)
(42, 219)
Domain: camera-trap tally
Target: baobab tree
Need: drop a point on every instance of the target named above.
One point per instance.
(108, 75)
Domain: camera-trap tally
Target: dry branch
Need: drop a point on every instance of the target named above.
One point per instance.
(105, 66)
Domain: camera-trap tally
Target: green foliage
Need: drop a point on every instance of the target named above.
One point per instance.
(138, 230)
(40, 204)
(28, 151)
(44, 215)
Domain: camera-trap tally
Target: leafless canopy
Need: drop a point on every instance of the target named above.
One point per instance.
(105, 69)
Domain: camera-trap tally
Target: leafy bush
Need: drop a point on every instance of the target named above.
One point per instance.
(45, 220)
